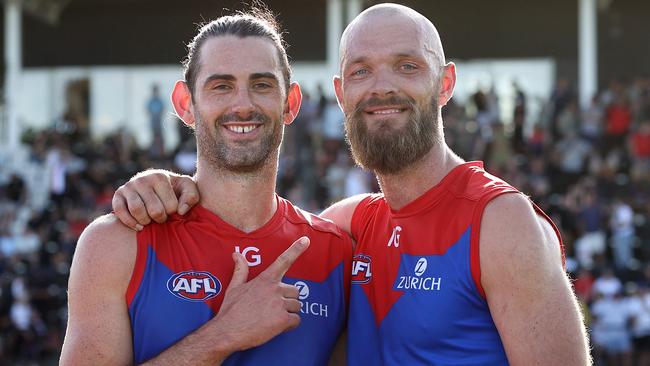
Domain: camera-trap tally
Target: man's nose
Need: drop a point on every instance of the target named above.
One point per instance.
(242, 102)
(384, 85)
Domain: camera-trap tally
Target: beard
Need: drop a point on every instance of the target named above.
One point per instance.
(238, 156)
(388, 150)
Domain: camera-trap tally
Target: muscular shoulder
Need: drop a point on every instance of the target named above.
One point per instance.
(106, 250)
(515, 241)
(528, 293)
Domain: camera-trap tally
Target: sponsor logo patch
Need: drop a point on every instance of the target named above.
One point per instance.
(361, 271)
(254, 258)
(194, 285)
(308, 307)
(394, 238)
(418, 281)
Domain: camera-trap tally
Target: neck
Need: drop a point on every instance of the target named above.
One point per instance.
(413, 181)
(244, 200)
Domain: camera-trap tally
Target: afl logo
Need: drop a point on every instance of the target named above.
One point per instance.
(420, 267)
(194, 286)
(361, 270)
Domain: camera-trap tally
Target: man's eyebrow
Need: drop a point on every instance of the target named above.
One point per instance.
(357, 60)
(263, 75)
(402, 54)
(213, 77)
(405, 54)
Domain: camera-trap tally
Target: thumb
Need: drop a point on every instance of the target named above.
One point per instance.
(240, 273)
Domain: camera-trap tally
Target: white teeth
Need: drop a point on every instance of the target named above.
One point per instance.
(386, 111)
(241, 129)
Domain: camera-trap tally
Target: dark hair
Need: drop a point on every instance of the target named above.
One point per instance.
(257, 22)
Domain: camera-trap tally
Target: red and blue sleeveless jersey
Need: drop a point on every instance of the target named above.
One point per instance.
(416, 295)
(184, 266)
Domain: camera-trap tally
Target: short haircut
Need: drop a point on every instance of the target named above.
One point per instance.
(257, 22)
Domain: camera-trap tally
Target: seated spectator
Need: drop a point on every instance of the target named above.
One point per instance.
(610, 333)
(592, 240)
(607, 284)
(639, 306)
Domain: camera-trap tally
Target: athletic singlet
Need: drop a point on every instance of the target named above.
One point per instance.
(416, 297)
(184, 266)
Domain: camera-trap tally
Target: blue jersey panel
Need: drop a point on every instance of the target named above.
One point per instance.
(439, 319)
(152, 303)
(322, 318)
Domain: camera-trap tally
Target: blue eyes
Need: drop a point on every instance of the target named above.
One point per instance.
(408, 67)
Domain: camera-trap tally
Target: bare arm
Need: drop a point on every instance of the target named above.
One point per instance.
(529, 295)
(99, 330)
(341, 212)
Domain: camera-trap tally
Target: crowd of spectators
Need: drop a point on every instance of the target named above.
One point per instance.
(589, 169)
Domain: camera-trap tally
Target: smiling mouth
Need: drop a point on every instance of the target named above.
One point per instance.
(384, 111)
(241, 128)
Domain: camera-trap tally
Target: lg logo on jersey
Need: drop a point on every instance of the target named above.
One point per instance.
(394, 239)
(252, 259)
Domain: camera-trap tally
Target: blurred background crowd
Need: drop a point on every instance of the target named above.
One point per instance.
(588, 169)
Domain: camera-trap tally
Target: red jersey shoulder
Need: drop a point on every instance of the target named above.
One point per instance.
(298, 216)
(370, 203)
(475, 183)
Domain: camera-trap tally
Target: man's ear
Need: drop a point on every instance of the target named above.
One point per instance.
(338, 90)
(447, 83)
(294, 99)
(182, 102)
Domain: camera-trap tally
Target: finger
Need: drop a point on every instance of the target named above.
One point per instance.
(240, 273)
(292, 305)
(186, 190)
(289, 291)
(293, 321)
(278, 268)
(122, 213)
(166, 195)
(136, 207)
(154, 206)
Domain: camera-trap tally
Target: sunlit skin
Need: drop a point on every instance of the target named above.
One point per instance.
(237, 80)
(369, 69)
(237, 112)
(412, 68)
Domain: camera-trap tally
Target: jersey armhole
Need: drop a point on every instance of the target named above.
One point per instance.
(143, 237)
(541, 213)
(347, 267)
